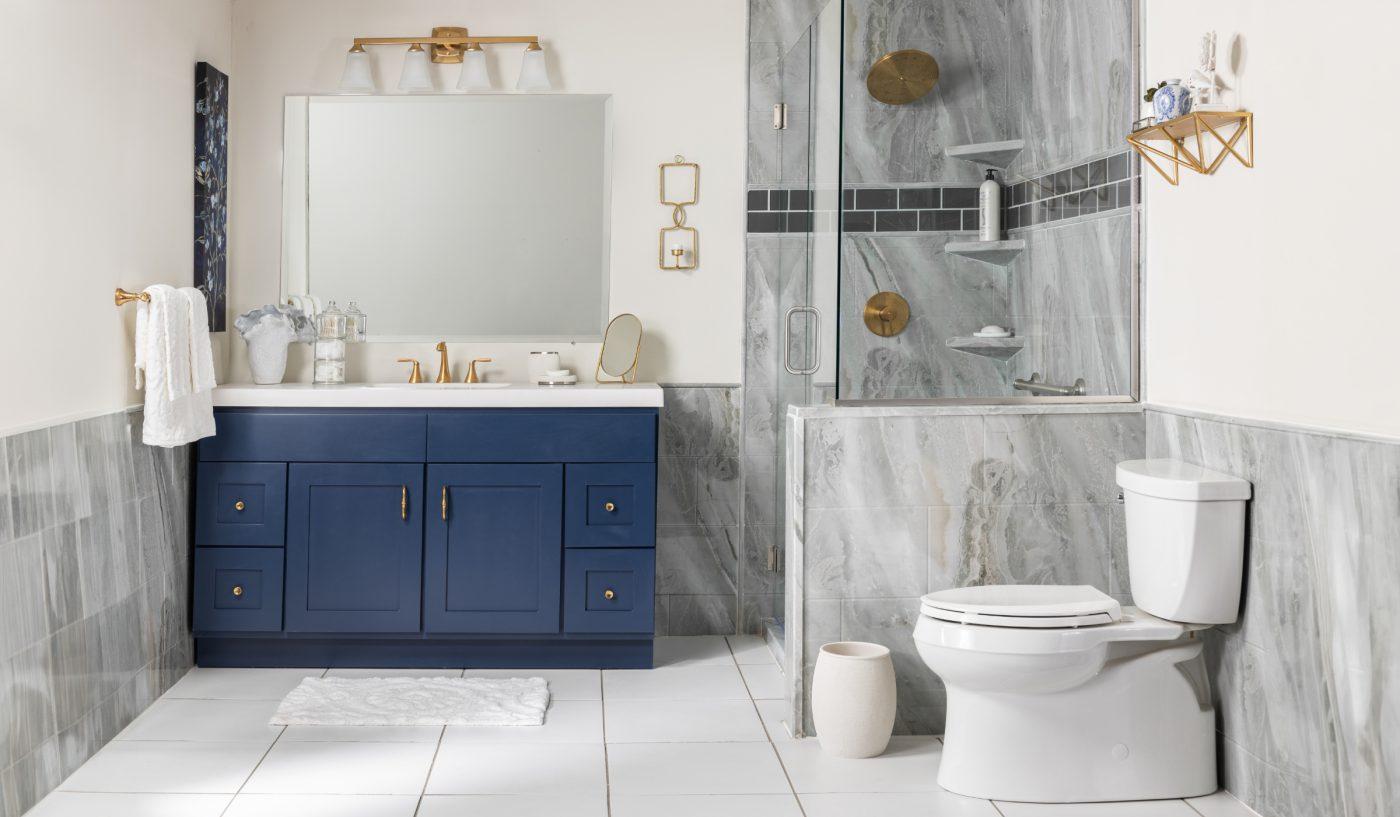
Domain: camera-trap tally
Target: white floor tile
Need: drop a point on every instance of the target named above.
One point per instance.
(775, 715)
(564, 684)
(909, 764)
(750, 649)
(205, 720)
(708, 805)
(681, 683)
(362, 734)
(343, 768)
(1221, 804)
(1140, 808)
(88, 804)
(765, 681)
(695, 768)
(513, 805)
(167, 766)
(323, 805)
(636, 721)
(691, 651)
(371, 672)
(903, 804)
(519, 768)
(564, 722)
(240, 684)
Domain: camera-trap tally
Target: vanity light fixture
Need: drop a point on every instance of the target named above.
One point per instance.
(447, 45)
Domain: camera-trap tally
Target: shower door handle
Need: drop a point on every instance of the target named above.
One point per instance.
(816, 356)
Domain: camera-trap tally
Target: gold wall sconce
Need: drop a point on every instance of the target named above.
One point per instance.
(679, 247)
(448, 45)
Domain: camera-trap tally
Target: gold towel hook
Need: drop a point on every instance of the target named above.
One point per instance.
(122, 297)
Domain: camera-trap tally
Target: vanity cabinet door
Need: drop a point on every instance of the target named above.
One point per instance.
(354, 547)
(494, 549)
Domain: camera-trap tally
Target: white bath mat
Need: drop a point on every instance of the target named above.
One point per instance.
(415, 702)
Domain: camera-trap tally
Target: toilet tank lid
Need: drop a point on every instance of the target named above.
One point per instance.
(1174, 479)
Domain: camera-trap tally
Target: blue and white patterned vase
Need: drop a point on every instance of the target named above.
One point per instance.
(1170, 101)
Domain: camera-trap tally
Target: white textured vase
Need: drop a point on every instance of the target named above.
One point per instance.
(853, 698)
(267, 357)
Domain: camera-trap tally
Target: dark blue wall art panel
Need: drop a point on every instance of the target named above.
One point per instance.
(211, 189)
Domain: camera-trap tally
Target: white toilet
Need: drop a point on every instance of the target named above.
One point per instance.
(1056, 694)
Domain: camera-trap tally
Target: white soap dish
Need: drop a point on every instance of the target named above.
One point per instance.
(560, 381)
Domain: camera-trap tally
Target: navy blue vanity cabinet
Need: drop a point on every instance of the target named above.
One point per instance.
(494, 558)
(426, 537)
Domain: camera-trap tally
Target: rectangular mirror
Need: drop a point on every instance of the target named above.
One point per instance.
(480, 217)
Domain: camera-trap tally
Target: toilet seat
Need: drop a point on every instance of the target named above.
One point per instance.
(1023, 606)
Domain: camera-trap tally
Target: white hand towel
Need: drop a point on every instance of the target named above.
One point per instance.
(176, 413)
(201, 351)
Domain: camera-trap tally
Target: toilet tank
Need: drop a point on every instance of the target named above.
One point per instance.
(1185, 539)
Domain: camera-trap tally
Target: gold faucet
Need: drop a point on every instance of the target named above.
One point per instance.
(444, 374)
(471, 370)
(415, 376)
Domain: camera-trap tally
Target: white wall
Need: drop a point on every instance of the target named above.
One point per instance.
(676, 70)
(1272, 293)
(96, 188)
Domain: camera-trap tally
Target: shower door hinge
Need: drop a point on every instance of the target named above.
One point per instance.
(775, 559)
(780, 116)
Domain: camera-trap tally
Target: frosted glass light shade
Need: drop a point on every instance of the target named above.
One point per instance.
(533, 74)
(474, 76)
(417, 76)
(358, 76)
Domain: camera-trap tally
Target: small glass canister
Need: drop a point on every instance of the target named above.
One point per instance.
(356, 328)
(330, 347)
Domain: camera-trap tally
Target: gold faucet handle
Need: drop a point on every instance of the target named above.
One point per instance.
(416, 375)
(472, 376)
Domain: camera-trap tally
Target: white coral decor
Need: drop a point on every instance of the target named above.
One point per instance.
(268, 330)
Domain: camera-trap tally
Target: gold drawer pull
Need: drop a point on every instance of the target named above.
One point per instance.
(609, 594)
(238, 590)
(403, 504)
(239, 506)
(444, 503)
(609, 507)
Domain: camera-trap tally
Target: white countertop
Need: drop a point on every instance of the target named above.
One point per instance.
(447, 395)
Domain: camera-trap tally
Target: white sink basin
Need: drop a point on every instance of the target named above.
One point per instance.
(437, 385)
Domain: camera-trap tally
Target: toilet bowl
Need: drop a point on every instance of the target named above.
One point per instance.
(1060, 694)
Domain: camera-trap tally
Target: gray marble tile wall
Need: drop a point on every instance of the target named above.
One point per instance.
(886, 505)
(94, 548)
(698, 498)
(1305, 686)
(949, 295)
(1071, 301)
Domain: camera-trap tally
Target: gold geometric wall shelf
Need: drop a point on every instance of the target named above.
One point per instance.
(1189, 137)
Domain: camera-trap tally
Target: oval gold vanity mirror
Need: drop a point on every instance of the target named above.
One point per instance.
(622, 346)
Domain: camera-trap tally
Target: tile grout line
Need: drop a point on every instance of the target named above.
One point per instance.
(771, 745)
(270, 746)
(418, 807)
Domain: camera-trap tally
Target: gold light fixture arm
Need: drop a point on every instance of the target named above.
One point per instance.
(448, 43)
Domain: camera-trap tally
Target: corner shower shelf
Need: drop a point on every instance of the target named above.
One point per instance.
(996, 348)
(995, 154)
(1195, 128)
(997, 253)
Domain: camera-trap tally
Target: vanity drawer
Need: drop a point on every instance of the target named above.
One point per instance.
(609, 591)
(542, 435)
(238, 590)
(241, 503)
(610, 505)
(308, 435)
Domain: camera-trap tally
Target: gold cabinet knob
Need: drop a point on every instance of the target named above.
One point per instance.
(238, 590)
(609, 507)
(239, 505)
(609, 594)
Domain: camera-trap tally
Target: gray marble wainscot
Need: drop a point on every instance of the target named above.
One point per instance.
(887, 504)
(1308, 709)
(94, 557)
(698, 497)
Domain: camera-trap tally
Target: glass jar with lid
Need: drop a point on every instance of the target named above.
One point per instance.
(356, 328)
(331, 328)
